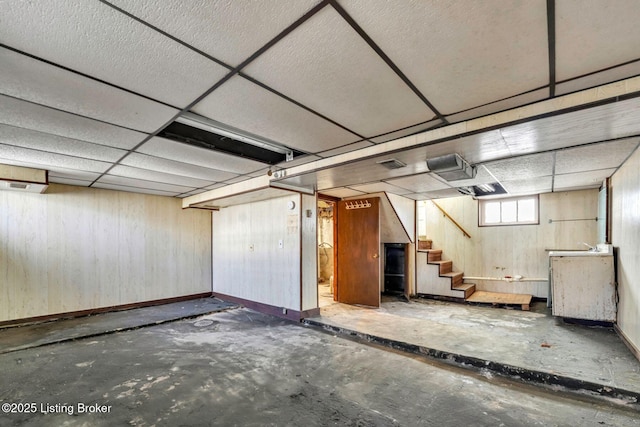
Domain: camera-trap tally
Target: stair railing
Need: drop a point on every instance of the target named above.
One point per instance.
(452, 220)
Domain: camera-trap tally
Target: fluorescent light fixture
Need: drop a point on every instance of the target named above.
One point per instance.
(206, 124)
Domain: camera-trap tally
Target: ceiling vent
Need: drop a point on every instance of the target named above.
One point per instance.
(392, 163)
(17, 178)
(451, 167)
(483, 190)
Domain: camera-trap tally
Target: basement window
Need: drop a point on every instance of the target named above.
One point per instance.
(512, 211)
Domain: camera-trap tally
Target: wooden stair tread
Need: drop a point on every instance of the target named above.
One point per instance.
(452, 274)
(464, 286)
(523, 300)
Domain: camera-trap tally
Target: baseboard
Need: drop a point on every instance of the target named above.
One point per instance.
(283, 312)
(89, 312)
(630, 345)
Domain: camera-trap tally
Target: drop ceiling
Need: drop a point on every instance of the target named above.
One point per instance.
(86, 87)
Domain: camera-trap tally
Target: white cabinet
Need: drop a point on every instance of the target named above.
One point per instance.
(583, 285)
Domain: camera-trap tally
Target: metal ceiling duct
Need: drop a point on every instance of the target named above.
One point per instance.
(451, 167)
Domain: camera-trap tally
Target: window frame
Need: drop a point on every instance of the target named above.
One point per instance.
(481, 211)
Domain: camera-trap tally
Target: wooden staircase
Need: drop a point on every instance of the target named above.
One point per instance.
(434, 257)
(450, 284)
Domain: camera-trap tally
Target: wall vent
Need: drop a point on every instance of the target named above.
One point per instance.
(392, 163)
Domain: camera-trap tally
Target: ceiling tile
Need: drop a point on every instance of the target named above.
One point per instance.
(27, 115)
(341, 192)
(328, 67)
(524, 167)
(245, 105)
(71, 174)
(519, 187)
(597, 79)
(168, 149)
(46, 142)
(143, 161)
(205, 24)
(377, 187)
(97, 40)
(595, 156)
(147, 175)
(439, 194)
(239, 179)
(592, 35)
(505, 104)
(32, 80)
(405, 132)
(213, 187)
(461, 54)
(580, 180)
(130, 189)
(42, 160)
(421, 183)
(141, 183)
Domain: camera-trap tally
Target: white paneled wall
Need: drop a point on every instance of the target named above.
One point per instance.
(512, 250)
(625, 233)
(248, 261)
(76, 248)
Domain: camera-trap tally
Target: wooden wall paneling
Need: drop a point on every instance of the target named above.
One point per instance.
(76, 248)
(309, 252)
(247, 260)
(625, 235)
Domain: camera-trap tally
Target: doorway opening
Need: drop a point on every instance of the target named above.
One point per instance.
(326, 251)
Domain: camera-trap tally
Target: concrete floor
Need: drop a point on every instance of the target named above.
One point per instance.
(528, 344)
(239, 367)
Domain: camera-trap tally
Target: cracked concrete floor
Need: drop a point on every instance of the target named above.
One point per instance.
(247, 369)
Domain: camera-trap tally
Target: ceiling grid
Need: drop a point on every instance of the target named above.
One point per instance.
(85, 88)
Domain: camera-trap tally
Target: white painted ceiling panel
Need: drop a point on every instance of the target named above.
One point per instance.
(596, 156)
(524, 167)
(519, 187)
(143, 161)
(42, 160)
(601, 123)
(342, 192)
(72, 33)
(212, 187)
(505, 104)
(27, 115)
(245, 105)
(27, 78)
(300, 160)
(346, 148)
(128, 189)
(68, 181)
(162, 147)
(421, 183)
(245, 198)
(592, 35)
(73, 174)
(238, 179)
(588, 179)
(405, 132)
(46, 142)
(140, 183)
(165, 178)
(207, 25)
(597, 79)
(327, 66)
(378, 187)
(461, 54)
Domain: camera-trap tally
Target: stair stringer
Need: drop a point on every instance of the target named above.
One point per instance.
(429, 281)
